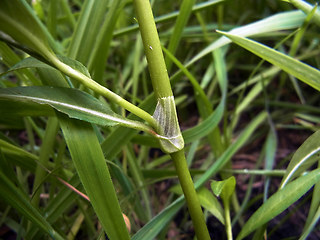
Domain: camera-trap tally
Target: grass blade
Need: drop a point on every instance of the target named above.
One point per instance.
(93, 172)
(14, 197)
(304, 157)
(300, 70)
(307, 8)
(279, 201)
(75, 103)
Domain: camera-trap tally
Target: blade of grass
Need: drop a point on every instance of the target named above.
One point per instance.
(17, 199)
(75, 103)
(90, 164)
(181, 22)
(279, 201)
(300, 70)
(304, 157)
(307, 8)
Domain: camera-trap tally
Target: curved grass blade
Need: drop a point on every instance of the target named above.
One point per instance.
(302, 71)
(74, 103)
(279, 201)
(93, 172)
(277, 22)
(17, 199)
(307, 8)
(312, 225)
(306, 155)
(19, 22)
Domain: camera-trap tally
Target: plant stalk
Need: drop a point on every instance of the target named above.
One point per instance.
(96, 87)
(190, 194)
(228, 220)
(166, 115)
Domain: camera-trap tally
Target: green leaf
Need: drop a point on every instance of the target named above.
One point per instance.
(306, 155)
(302, 71)
(277, 22)
(307, 8)
(17, 199)
(93, 172)
(19, 22)
(74, 103)
(224, 189)
(211, 204)
(32, 62)
(29, 62)
(279, 201)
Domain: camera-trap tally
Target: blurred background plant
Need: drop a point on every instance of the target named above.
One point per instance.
(240, 116)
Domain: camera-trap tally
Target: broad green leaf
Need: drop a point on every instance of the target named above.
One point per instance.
(93, 172)
(74, 103)
(306, 155)
(19, 22)
(302, 71)
(13, 196)
(211, 204)
(224, 189)
(307, 8)
(279, 201)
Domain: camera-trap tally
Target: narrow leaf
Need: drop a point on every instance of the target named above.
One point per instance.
(279, 201)
(307, 8)
(17, 199)
(300, 70)
(93, 172)
(19, 22)
(74, 103)
(306, 155)
(277, 22)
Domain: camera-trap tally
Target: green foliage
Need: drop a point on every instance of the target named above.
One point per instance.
(90, 136)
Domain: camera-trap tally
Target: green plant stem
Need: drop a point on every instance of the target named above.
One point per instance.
(166, 112)
(96, 87)
(228, 220)
(156, 64)
(190, 194)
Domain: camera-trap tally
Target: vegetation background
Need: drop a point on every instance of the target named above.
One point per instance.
(239, 115)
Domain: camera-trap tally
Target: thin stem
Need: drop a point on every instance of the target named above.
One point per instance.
(228, 220)
(190, 195)
(156, 64)
(166, 114)
(96, 87)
